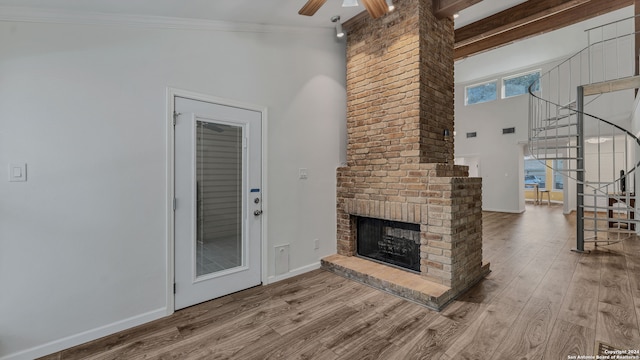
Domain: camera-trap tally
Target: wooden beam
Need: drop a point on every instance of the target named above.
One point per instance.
(520, 23)
(511, 18)
(446, 8)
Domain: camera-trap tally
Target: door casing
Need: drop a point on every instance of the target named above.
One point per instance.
(170, 182)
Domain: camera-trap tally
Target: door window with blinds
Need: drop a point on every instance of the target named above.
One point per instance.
(219, 199)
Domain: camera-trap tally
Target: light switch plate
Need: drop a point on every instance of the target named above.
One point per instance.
(17, 172)
(303, 173)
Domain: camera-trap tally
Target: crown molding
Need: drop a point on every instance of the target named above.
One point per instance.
(38, 15)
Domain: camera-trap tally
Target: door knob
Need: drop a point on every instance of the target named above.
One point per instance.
(257, 212)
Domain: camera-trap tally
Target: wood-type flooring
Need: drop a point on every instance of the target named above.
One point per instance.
(541, 301)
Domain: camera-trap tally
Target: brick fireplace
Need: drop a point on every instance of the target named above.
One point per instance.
(399, 159)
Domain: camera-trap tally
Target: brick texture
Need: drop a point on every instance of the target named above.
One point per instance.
(399, 165)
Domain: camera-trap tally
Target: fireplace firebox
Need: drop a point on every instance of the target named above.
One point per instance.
(392, 242)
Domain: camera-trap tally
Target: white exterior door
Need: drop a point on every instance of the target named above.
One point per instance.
(218, 187)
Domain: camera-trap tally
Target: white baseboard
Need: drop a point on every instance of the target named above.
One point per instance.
(291, 273)
(505, 211)
(81, 338)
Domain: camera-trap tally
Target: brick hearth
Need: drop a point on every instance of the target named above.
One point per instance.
(399, 163)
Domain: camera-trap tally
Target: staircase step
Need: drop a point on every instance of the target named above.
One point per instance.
(613, 220)
(559, 137)
(605, 229)
(554, 127)
(597, 195)
(558, 118)
(542, 157)
(621, 210)
(553, 147)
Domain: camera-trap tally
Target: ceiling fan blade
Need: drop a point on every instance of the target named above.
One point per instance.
(376, 8)
(311, 7)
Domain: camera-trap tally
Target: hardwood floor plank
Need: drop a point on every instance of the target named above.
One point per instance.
(528, 335)
(216, 340)
(569, 339)
(463, 312)
(505, 272)
(632, 254)
(223, 344)
(519, 290)
(483, 336)
(403, 319)
(55, 356)
(271, 309)
(369, 298)
(307, 312)
(359, 323)
(429, 342)
(130, 350)
(580, 305)
(614, 282)
(485, 291)
(310, 350)
(391, 322)
(555, 283)
(368, 349)
(296, 340)
(617, 326)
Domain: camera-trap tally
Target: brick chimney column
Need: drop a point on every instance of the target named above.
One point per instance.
(399, 164)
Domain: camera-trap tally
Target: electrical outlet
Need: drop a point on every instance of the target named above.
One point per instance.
(282, 259)
(316, 244)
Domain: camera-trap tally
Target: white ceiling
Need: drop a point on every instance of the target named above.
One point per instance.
(272, 12)
(520, 55)
(484, 9)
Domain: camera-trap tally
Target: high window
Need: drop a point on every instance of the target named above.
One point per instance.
(479, 93)
(519, 84)
(558, 179)
(535, 172)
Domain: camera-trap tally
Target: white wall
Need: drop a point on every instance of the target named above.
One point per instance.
(83, 242)
(499, 154)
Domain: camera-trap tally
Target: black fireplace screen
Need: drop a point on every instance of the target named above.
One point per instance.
(392, 242)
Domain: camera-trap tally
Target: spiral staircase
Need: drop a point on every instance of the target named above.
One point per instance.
(572, 117)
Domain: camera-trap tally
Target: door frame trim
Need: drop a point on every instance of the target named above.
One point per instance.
(172, 93)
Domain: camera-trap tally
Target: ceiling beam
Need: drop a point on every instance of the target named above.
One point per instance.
(518, 15)
(526, 20)
(446, 8)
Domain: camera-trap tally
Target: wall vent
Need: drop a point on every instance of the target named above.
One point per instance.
(472, 134)
(510, 130)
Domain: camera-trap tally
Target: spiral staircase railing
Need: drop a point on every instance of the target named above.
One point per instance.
(572, 117)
